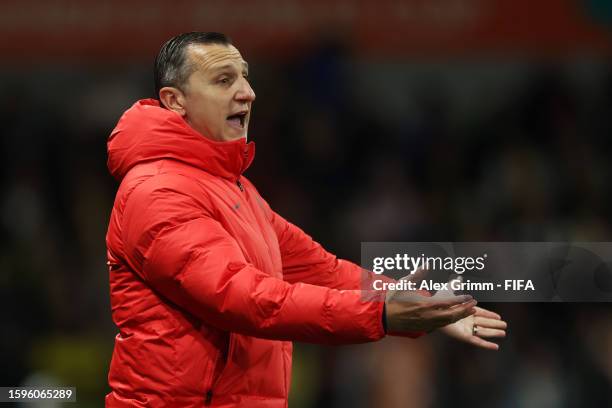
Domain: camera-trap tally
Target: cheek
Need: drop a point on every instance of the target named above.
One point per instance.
(205, 111)
(214, 115)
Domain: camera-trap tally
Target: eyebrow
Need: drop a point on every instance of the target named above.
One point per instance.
(245, 65)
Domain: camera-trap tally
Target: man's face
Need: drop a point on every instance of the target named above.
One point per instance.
(218, 96)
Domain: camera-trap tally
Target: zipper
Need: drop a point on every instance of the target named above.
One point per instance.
(208, 399)
(209, 393)
(239, 184)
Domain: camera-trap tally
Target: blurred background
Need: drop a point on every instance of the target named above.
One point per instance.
(415, 120)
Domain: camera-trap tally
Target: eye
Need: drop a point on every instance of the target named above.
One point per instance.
(224, 80)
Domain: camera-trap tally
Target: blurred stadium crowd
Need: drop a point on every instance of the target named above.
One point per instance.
(351, 150)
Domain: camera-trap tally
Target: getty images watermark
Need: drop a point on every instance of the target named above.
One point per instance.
(494, 271)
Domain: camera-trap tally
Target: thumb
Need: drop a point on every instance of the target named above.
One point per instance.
(448, 292)
(408, 294)
(415, 277)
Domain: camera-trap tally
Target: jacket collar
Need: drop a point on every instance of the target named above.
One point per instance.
(147, 132)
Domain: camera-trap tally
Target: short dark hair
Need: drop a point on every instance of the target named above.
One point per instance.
(171, 65)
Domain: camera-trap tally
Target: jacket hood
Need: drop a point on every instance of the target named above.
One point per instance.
(147, 132)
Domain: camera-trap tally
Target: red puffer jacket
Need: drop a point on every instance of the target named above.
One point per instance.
(208, 285)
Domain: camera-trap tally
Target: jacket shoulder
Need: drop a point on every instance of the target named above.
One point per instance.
(169, 187)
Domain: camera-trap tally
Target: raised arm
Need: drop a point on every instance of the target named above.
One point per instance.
(176, 246)
(305, 260)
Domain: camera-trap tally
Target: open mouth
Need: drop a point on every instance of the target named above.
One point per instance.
(237, 120)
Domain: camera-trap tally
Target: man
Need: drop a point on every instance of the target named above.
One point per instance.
(208, 284)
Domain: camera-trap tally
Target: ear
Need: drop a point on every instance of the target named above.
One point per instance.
(173, 99)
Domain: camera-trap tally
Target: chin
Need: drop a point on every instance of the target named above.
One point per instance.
(234, 137)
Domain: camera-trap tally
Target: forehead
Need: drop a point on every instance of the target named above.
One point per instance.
(208, 57)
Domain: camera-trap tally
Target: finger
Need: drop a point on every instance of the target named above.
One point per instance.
(408, 296)
(487, 313)
(417, 276)
(445, 293)
(450, 302)
(470, 303)
(431, 302)
(490, 323)
(462, 314)
(477, 341)
(457, 313)
(485, 332)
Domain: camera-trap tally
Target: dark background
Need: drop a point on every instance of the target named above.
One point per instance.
(454, 121)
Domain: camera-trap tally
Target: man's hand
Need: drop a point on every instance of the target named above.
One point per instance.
(488, 324)
(473, 329)
(407, 311)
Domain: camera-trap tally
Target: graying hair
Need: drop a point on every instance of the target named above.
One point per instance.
(171, 66)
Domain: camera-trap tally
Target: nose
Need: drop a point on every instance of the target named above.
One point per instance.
(245, 93)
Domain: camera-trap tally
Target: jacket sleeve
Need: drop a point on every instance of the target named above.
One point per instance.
(305, 260)
(176, 245)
